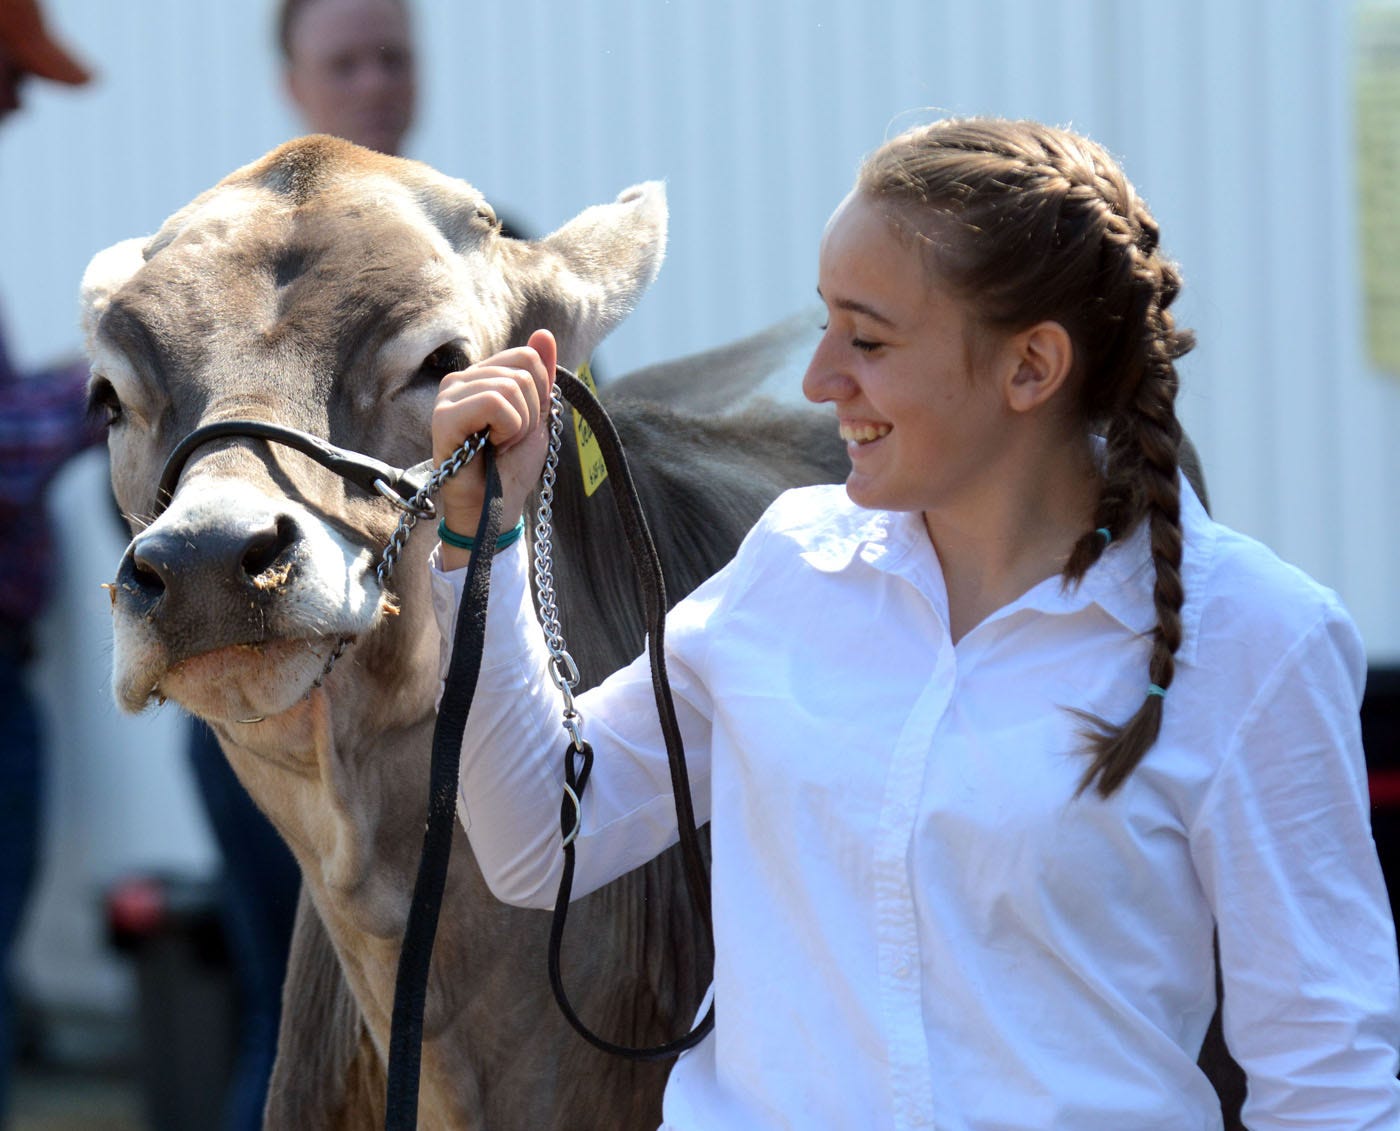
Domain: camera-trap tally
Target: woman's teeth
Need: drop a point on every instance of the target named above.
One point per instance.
(863, 433)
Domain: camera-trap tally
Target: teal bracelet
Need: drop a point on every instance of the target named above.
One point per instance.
(463, 542)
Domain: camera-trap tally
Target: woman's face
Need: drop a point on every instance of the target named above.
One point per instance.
(351, 71)
(922, 428)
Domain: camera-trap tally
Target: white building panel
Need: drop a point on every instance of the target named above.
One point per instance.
(1233, 117)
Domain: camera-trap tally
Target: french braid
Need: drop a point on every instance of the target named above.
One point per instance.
(1032, 223)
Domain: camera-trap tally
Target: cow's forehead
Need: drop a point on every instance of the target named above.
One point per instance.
(326, 261)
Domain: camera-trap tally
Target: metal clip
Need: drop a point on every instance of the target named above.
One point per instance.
(422, 510)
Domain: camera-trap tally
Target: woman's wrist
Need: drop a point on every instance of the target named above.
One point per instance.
(450, 537)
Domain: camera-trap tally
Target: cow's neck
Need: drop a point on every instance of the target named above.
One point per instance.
(351, 808)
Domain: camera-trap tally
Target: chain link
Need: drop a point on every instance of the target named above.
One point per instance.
(563, 672)
(418, 505)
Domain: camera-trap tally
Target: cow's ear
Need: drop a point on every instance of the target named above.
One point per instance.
(585, 278)
(104, 276)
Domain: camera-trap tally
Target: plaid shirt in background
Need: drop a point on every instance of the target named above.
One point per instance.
(43, 422)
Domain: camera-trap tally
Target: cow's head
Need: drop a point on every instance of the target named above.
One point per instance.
(328, 288)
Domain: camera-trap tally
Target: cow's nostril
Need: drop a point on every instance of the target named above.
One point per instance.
(146, 576)
(263, 549)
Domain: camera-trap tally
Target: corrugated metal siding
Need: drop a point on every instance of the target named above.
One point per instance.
(1233, 117)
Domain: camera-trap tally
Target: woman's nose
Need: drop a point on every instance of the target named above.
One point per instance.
(824, 380)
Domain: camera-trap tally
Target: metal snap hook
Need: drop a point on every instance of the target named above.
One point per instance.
(425, 509)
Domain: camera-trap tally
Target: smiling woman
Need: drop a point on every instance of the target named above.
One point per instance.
(897, 352)
(995, 741)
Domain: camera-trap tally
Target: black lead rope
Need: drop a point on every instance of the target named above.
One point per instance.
(405, 1043)
(459, 688)
(403, 486)
(653, 588)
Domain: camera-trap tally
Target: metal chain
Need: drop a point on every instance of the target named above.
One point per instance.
(562, 669)
(417, 507)
(420, 504)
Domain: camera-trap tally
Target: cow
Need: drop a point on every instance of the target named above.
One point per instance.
(330, 288)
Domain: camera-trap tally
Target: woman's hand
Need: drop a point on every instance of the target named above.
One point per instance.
(509, 394)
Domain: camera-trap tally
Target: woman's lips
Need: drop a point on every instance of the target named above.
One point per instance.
(863, 432)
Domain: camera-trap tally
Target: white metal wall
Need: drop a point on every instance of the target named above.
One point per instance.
(1233, 117)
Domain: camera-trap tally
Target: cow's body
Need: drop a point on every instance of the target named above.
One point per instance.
(329, 288)
(308, 289)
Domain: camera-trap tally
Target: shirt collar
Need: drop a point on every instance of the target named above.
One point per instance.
(882, 539)
(1121, 582)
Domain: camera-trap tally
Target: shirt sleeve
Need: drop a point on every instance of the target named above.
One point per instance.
(511, 783)
(1307, 945)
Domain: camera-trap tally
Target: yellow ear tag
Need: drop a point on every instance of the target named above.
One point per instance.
(590, 454)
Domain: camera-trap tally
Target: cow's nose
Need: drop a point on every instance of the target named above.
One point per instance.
(195, 565)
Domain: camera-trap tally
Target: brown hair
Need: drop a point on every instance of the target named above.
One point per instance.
(288, 12)
(1034, 223)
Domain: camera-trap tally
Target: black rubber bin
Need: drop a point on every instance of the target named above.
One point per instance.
(1380, 734)
(187, 1005)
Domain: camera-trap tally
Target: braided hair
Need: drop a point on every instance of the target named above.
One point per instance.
(1033, 223)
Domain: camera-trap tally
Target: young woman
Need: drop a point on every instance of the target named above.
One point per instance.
(995, 738)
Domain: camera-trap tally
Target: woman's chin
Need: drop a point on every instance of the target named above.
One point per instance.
(865, 490)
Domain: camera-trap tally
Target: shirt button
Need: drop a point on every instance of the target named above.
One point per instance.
(904, 968)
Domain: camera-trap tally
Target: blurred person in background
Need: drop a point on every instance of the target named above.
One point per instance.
(349, 68)
(43, 422)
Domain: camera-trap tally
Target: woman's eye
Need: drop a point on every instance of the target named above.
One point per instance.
(103, 403)
(862, 344)
(438, 364)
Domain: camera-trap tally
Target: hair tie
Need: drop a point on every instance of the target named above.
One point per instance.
(1106, 534)
(1154, 689)
(466, 542)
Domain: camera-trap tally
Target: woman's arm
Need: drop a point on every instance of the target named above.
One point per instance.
(512, 775)
(1308, 949)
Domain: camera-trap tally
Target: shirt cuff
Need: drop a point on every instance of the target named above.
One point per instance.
(510, 611)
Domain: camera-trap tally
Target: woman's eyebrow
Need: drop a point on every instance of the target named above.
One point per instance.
(852, 306)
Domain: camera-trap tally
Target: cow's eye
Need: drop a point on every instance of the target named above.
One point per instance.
(445, 359)
(103, 403)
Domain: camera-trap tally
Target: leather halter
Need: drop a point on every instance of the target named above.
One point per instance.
(396, 484)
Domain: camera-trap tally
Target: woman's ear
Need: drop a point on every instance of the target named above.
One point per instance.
(1043, 356)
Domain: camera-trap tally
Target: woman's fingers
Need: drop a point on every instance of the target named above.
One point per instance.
(507, 395)
(546, 351)
(470, 402)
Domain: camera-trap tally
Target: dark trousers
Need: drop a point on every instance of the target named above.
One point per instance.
(260, 883)
(20, 803)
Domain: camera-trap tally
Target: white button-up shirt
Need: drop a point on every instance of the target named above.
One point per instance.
(918, 923)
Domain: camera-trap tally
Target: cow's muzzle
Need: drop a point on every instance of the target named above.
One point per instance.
(230, 570)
